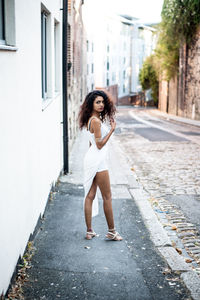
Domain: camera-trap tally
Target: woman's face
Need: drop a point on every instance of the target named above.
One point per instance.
(98, 104)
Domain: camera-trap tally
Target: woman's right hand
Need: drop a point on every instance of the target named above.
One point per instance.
(112, 124)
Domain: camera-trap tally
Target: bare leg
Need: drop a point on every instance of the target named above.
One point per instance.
(103, 181)
(88, 206)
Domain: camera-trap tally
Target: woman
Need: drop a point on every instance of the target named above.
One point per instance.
(94, 111)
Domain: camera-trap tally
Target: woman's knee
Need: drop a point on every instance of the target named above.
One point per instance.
(107, 197)
(91, 197)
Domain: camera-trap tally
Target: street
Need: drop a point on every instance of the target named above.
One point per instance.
(144, 161)
(166, 158)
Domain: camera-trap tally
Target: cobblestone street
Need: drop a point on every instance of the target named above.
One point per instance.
(165, 156)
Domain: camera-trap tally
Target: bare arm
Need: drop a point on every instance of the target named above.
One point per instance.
(96, 126)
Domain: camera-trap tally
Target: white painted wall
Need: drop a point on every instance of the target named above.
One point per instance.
(31, 133)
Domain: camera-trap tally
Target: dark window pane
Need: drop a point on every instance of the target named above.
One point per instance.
(2, 36)
(44, 54)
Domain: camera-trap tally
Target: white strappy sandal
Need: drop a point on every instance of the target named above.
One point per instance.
(90, 235)
(114, 236)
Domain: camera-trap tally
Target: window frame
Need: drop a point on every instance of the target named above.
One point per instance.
(44, 53)
(8, 24)
(3, 41)
(56, 56)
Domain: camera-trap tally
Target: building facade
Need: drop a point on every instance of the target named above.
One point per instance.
(31, 114)
(121, 44)
(77, 66)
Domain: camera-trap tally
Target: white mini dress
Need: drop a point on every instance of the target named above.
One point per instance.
(95, 160)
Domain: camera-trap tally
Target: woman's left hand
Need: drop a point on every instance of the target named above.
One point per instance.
(112, 124)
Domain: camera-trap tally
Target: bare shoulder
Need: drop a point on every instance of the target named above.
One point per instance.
(95, 123)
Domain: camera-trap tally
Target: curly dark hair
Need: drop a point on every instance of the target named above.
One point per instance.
(86, 108)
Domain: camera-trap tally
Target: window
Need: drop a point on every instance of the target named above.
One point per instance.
(92, 68)
(124, 74)
(56, 56)
(108, 65)
(47, 55)
(44, 53)
(2, 23)
(7, 25)
(124, 89)
(107, 82)
(87, 46)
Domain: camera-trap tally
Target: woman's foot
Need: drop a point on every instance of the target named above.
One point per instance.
(113, 235)
(90, 234)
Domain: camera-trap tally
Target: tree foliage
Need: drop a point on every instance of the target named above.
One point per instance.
(180, 19)
(148, 77)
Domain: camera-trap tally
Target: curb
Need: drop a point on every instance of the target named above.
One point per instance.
(159, 235)
(176, 118)
(163, 243)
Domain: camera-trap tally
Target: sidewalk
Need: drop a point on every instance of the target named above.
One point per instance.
(66, 266)
(174, 117)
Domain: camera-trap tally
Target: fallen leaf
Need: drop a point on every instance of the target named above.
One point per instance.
(132, 169)
(173, 244)
(179, 250)
(188, 260)
(174, 227)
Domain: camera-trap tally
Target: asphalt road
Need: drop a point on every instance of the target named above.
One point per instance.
(163, 147)
(66, 266)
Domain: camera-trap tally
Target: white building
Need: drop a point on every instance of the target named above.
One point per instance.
(143, 44)
(121, 44)
(117, 56)
(108, 56)
(90, 63)
(30, 116)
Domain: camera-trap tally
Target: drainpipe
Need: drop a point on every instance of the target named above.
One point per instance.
(65, 112)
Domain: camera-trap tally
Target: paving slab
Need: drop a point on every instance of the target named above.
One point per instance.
(175, 261)
(192, 282)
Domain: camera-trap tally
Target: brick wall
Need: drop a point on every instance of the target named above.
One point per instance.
(182, 95)
(112, 90)
(126, 100)
(173, 96)
(192, 84)
(77, 74)
(163, 95)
